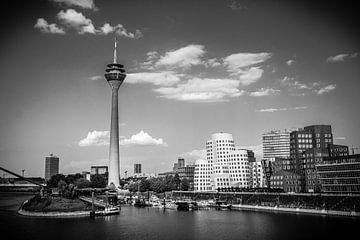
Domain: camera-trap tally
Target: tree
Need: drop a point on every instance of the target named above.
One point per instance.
(176, 182)
(54, 180)
(98, 181)
(82, 183)
(184, 184)
(144, 185)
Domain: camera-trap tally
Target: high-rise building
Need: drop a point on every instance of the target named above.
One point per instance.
(51, 166)
(115, 77)
(137, 169)
(276, 144)
(181, 162)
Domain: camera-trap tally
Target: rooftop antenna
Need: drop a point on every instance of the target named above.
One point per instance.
(115, 54)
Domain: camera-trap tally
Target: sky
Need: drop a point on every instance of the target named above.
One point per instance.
(193, 68)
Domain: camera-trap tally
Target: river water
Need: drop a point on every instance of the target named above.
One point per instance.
(151, 223)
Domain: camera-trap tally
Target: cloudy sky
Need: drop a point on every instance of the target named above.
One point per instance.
(193, 68)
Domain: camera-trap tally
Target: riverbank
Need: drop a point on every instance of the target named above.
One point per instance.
(296, 210)
(55, 207)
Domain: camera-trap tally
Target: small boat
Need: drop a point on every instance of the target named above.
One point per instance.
(108, 211)
(218, 205)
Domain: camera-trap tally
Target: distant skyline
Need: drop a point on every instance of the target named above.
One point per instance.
(193, 68)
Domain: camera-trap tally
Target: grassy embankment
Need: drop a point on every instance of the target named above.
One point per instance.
(58, 204)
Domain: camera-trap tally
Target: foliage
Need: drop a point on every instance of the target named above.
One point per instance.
(98, 181)
(185, 184)
(54, 180)
(82, 183)
(71, 178)
(160, 184)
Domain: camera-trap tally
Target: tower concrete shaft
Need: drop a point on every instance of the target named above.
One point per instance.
(114, 155)
(115, 76)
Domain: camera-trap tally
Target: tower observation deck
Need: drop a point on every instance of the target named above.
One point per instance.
(115, 75)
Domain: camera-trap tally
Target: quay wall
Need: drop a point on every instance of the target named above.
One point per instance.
(317, 203)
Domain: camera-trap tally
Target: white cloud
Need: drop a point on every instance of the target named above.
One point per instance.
(326, 89)
(312, 87)
(234, 5)
(192, 156)
(290, 62)
(250, 75)
(182, 58)
(143, 139)
(95, 138)
(156, 78)
(342, 57)
(213, 62)
(44, 27)
(76, 20)
(236, 62)
(87, 4)
(95, 78)
(271, 110)
(242, 65)
(264, 92)
(300, 108)
(202, 90)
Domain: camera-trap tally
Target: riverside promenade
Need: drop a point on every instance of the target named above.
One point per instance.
(305, 203)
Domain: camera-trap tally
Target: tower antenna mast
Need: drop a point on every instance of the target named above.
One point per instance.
(115, 53)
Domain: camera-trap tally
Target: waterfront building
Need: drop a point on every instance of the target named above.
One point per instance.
(276, 143)
(286, 180)
(336, 150)
(188, 173)
(339, 174)
(181, 162)
(202, 175)
(226, 166)
(137, 169)
(257, 175)
(99, 170)
(115, 77)
(86, 175)
(51, 166)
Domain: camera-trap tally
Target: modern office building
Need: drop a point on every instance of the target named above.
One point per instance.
(203, 175)
(188, 173)
(181, 162)
(315, 136)
(103, 170)
(336, 150)
(239, 169)
(276, 143)
(51, 166)
(115, 77)
(137, 169)
(286, 180)
(340, 174)
(226, 166)
(257, 175)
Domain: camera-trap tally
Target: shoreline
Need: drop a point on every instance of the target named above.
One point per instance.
(323, 212)
(54, 214)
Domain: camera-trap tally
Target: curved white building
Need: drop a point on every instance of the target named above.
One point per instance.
(202, 175)
(225, 165)
(239, 168)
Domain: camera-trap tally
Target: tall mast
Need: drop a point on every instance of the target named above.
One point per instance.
(115, 54)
